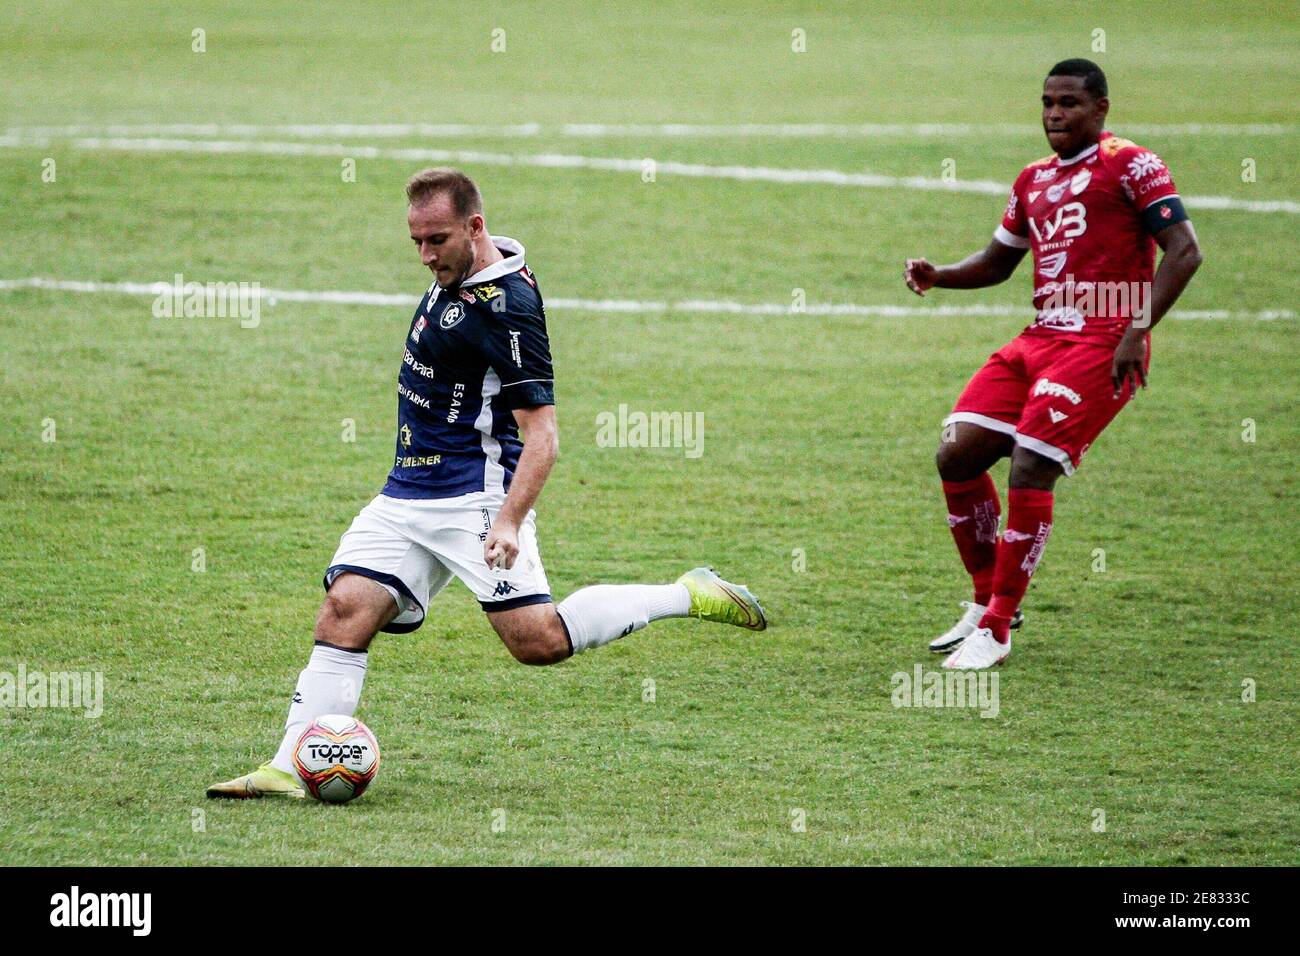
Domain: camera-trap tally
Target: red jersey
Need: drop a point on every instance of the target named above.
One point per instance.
(1090, 221)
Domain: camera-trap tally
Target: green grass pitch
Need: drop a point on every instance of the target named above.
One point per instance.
(815, 487)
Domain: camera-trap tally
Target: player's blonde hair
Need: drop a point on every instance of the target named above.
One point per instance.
(429, 183)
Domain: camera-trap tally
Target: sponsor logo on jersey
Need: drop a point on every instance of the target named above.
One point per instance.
(1050, 266)
(1143, 164)
(1011, 206)
(1080, 181)
(514, 349)
(1063, 319)
(1043, 175)
(453, 410)
(419, 326)
(487, 292)
(412, 396)
(419, 461)
(1045, 386)
(1153, 184)
(415, 365)
(451, 315)
(1068, 221)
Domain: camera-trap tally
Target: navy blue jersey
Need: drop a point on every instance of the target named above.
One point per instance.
(473, 354)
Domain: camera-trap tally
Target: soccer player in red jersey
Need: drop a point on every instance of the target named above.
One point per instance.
(1093, 213)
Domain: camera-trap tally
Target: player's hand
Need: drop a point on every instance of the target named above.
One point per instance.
(1130, 355)
(920, 275)
(502, 545)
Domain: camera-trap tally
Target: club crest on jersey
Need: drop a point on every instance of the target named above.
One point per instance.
(1054, 193)
(1080, 181)
(420, 323)
(451, 315)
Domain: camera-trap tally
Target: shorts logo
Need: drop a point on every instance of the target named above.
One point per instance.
(1055, 416)
(503, 588)
(451, 315)
(420, 323)
(1046, 386)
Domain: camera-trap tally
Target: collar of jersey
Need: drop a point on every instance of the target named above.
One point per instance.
(513, 261)
(1079, 156)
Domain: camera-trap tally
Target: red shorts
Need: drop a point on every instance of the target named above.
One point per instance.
(1053, 396)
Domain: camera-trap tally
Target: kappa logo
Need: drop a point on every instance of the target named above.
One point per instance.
(954, 520)
(419, 327)
(451, 315)
(1011, 536)
(503, 588)
(1055, 416)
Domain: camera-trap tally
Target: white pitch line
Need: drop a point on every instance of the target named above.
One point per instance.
(826, 177)
(643, 130)
(705, 306)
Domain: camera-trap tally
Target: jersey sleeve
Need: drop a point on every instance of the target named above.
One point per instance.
(516, 346)
(1013, 230)
(1150, 188)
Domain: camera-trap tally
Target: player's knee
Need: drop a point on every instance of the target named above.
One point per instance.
(954, 464)
(339, 620)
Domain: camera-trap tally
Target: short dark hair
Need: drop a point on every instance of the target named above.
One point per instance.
(428, 183)
(1094, 81)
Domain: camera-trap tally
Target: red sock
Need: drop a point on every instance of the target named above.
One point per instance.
(1029, 522)
(973, 514)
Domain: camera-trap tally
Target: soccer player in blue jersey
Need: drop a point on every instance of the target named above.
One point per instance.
(475, 372)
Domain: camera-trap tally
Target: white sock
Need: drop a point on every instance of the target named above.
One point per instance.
(605, 612)
(329, 684)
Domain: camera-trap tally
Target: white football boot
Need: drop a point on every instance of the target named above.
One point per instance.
(979, 651)
(947, 643)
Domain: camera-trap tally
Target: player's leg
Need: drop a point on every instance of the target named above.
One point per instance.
(596, 615)
(978, 433)
(1072, 401)
(370, 586)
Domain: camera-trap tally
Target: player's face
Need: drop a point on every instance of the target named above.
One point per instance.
(444, 239)
(1072, 119)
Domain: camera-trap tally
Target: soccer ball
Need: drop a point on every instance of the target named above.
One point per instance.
(336, 757)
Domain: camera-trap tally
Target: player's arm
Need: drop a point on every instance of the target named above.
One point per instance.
(1181, 259)
(541, 447)
(989, 266)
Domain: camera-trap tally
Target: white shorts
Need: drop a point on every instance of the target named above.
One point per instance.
(412, 546)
